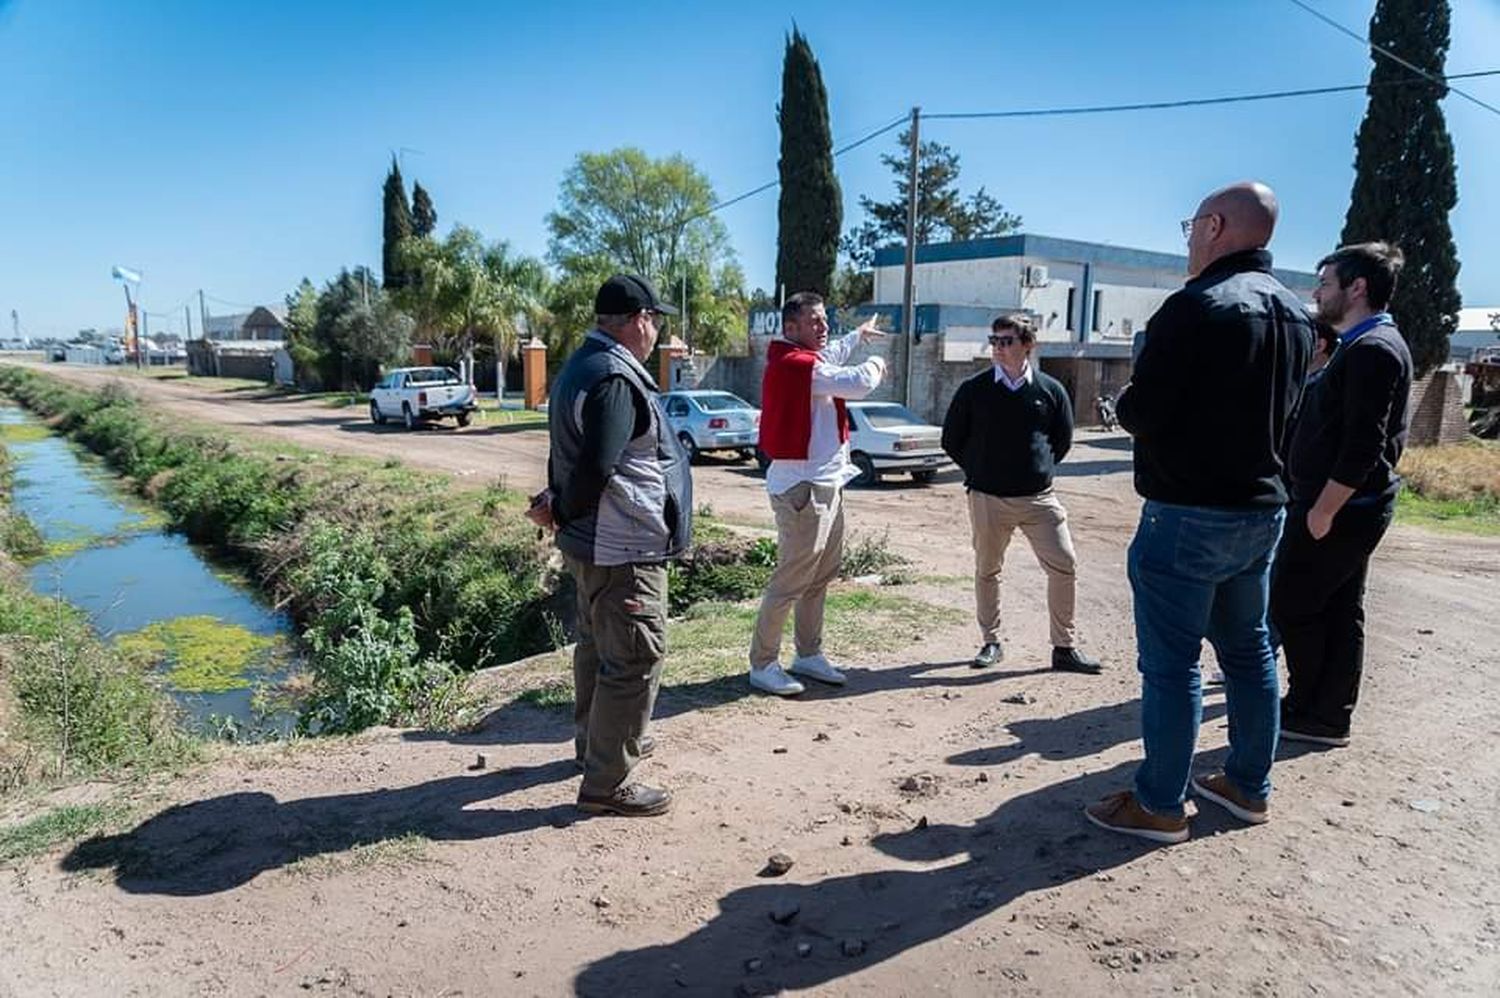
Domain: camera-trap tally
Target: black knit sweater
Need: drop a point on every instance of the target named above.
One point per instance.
(1008, 442)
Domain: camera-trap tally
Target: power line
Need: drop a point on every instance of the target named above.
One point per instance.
(711, 209)
(1193, 102)
(1392, 56)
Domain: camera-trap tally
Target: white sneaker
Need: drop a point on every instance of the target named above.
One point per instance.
(773, 679)
(817, 667)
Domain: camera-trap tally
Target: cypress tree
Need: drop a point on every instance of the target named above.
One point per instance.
(423, 214)
(1404, 178)
(398, 226)
(811, 212)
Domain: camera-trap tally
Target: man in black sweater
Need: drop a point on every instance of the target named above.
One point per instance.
(1209, 403)
(1007, 427)
(1345, 446)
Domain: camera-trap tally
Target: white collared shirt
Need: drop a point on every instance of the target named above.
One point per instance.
(1004, 379)
(827, 461)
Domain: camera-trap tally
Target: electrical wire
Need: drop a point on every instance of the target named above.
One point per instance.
(1193, 102)
(1431, 78)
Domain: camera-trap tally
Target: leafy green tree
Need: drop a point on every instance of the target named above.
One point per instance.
(398, 226)
(1404, 182)
(423, 214)
(943, 213)
(358, 329)
(811, 210)
(464, 291)
(647, 216)
(301, 323)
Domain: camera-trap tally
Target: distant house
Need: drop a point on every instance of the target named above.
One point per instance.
(262, 323)
(1477, 327)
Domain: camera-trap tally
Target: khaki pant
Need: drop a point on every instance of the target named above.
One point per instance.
(809, 547)
(1044, 521)
(622, 640)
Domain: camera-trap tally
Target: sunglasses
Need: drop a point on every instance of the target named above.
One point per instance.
(1002, 341)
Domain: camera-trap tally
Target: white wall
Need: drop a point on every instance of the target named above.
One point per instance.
(995, 281)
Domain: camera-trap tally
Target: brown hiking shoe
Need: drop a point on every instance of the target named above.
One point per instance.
(633, 800)
(1217, 788)
(1122, 813)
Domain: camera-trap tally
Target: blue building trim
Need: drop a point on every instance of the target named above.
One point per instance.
(1070, 250)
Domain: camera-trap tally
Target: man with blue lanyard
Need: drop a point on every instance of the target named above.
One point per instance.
(1342, 465)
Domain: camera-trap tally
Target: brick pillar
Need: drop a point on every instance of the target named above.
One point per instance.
(1437, 413)
(666, 354)
(534, 368)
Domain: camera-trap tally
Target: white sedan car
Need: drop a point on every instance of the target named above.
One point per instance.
(708, 420)
(887, 437)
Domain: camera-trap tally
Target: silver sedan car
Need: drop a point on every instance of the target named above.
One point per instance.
(710, 420)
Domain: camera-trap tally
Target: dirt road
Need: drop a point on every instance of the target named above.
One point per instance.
(932, 812)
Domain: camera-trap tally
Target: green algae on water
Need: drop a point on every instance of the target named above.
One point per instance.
(202, 654)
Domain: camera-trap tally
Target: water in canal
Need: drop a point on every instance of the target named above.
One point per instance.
(220, 650)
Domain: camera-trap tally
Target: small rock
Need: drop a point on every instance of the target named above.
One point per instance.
(846, 841)
(889, 926)
(482, 761)
(778, 863)
(754, 965)
(982, 778)
(779, 750)
(1389, 963)
(1136, 956)
(783, 912)
(852, 947)
(1426, 806)
(1020, 698)
(1425, 630)
(1033, 952)
(1346, 802)
(925, 784)
(1115, 962)
(821, 736)
(804, 949)
(922, 822)
(601, 902)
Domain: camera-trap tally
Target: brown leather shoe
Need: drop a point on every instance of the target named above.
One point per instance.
(1217, 788)
(633, 800)
(648, 748)
(1122, 813)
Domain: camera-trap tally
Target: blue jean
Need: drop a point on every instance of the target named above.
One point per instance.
(1196, 573)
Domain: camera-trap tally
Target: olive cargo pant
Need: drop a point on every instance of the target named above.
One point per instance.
(622, 632)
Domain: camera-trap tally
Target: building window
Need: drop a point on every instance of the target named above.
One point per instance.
(1098, 305)
(1072, 294)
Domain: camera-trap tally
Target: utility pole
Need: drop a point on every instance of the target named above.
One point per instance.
(187, 323)
(140, 341)
(908, 298)
(686, 336)
(202, 315)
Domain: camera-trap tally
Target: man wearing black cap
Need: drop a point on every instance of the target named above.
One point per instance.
(620, 499)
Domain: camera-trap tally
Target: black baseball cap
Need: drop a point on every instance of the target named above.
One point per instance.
(626, 294)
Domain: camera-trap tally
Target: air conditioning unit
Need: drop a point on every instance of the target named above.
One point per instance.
(1034, 276)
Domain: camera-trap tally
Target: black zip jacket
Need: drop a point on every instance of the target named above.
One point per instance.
(1215, 388)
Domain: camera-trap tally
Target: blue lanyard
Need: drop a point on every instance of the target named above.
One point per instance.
(1355, 332)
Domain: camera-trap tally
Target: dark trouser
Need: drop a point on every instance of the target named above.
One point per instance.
(1317, 604)
(622, 640)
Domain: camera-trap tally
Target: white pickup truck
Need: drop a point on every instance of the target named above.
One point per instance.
(415, 394)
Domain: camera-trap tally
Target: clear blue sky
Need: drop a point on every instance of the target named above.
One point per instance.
(237, 147)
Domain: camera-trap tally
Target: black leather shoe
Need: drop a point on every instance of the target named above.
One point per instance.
(988, 655)
(1073, 660)
(648, 748)
(633, 800)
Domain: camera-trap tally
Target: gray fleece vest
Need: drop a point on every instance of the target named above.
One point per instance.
(645, 512)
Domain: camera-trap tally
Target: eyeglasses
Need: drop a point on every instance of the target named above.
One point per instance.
(1187, 225)
(1002, 341)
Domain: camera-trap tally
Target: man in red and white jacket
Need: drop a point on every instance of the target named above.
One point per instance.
(804, 430)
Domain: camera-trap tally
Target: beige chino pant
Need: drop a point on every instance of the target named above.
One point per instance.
(809, 547)
(1044, 521)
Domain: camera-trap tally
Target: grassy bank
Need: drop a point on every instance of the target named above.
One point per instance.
(400, 582)
(1453, 487)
